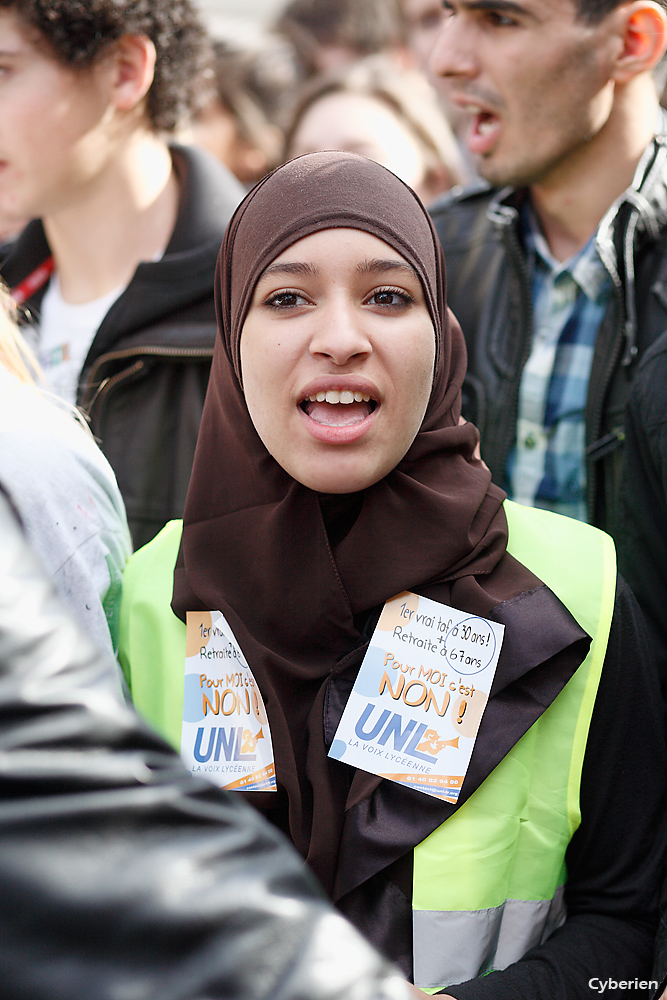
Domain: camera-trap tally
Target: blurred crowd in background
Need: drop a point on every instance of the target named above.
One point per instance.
(311, 75)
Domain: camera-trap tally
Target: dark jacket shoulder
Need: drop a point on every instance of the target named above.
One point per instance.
(144, 380)
(460, 216)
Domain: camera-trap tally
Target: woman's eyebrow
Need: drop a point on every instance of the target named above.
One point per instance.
(378, 265)
(291, 267)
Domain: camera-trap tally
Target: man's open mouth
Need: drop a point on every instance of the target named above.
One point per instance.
(485, 122)
(484, 129)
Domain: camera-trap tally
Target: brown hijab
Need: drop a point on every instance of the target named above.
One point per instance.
(302, 577)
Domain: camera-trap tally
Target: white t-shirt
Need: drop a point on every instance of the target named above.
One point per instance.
(66, 332)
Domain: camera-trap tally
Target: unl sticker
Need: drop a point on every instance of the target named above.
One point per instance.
(416, 705)
(225, 735)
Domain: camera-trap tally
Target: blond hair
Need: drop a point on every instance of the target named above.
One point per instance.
(15, 355)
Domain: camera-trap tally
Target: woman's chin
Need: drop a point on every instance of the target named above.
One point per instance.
(334, 479)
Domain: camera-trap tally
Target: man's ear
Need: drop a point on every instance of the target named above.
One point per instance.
(133, 68)
(644, 34)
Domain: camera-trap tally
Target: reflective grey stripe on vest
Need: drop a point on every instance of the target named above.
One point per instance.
(452, 947)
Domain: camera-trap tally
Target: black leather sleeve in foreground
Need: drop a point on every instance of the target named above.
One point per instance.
(615, 858)
(121, 875)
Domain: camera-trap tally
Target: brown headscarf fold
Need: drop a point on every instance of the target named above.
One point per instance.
(256, 543)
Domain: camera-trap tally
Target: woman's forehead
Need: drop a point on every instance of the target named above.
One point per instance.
(322, 250)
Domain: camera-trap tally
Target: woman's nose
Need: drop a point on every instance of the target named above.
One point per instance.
(340, 334)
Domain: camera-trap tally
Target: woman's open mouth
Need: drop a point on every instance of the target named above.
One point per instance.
(338, 407)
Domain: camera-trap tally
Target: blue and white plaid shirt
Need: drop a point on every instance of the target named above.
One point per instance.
(547, 467)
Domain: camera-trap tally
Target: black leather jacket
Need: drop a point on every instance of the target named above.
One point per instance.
(488, 290)
(121, 875)
(145, 377)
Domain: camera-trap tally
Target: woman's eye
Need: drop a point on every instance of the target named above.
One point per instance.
(285, 300)
(390, 297)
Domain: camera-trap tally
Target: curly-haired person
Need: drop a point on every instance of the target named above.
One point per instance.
(116, 270)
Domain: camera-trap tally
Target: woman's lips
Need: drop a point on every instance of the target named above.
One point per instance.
(338, 415)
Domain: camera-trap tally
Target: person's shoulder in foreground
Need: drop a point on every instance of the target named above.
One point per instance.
(129, 875)
(65, 492)
(70, 505)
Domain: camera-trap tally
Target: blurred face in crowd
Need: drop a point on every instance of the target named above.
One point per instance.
(217, 130)
(533, 78)
(337, 355)
(423, 18)
(357, 123)
(54, 134)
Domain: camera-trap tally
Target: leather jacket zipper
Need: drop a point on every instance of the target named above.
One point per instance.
(605, 445)
(506, 444)
(94, 396)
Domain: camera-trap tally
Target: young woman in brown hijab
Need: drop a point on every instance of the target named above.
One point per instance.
(333, 472)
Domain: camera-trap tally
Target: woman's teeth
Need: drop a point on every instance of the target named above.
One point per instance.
(339, 396)
(338, 407)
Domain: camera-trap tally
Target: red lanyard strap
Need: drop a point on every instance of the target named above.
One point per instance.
(27, 288)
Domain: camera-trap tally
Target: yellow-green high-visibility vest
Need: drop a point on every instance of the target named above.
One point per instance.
(488, 883)
(151, 639)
